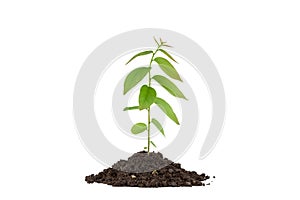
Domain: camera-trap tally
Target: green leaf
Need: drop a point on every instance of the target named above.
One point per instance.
(146, 97)
(139, 54)
(167, 109)
(145, 147)
(131, 108)
(134, 77)
(155, 41)
(153, 144)
(169, 86)
(167, 67)
(165, 45)
(167, 54)
(138, 128)
(158, 126)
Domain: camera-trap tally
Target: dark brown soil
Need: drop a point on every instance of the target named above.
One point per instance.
(143, 170)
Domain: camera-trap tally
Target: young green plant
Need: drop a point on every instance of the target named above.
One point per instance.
(148, 95)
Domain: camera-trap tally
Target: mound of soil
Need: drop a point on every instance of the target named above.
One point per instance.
(142, 162)
(144, 170)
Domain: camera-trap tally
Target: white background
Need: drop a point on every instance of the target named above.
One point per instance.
(254, 44)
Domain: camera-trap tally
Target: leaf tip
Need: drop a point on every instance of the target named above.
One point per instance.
(127, 62)
(176, 121)
(155, 40)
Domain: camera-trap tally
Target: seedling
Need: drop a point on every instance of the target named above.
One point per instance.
(148, 95)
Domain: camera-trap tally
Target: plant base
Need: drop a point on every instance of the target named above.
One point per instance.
(172, 175)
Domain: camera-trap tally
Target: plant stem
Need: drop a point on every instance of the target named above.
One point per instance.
(149, 109)
(148, 149)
